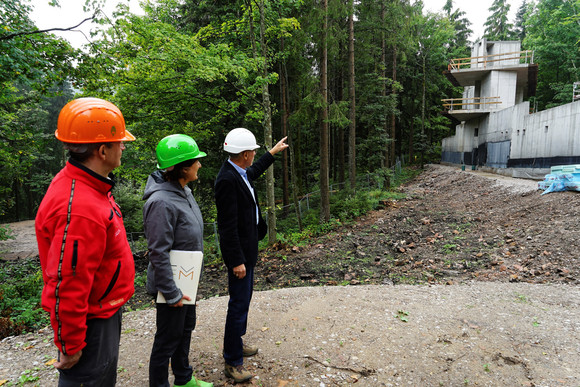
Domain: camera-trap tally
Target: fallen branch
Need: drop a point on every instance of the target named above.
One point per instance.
(364, 372)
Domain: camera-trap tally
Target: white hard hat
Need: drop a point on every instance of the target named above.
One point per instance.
(239, 140)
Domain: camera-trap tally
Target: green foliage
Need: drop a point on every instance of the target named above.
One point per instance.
(33, 71)
(346, 206)
(130, 198)
(405, 175)
(497, 26)
(521, 19)
(28, 376)
(20, 290)
(402, 315)
(30, 148)
(552, 31)
(140, 279)
(5, 232)
(35, 61)
(462, 31)
(196, 67)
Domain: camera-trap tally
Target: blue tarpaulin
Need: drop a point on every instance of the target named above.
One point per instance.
(561, 178)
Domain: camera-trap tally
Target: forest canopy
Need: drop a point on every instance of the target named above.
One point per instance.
(356, 85)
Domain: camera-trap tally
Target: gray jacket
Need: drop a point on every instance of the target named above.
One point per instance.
(172, 221)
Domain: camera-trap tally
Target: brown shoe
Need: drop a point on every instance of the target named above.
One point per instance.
(248, 350)
(238, 373)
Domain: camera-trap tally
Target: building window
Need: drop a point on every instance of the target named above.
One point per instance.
(476, 132)
(546, 129)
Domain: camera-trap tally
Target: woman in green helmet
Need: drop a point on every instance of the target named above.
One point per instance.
(172, 221)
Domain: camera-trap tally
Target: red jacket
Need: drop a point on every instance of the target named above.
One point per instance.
(87, 264)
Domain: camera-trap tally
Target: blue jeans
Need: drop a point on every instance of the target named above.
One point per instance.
(237, 318)
(172, 341)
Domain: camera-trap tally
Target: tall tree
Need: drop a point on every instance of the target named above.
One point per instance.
(552, 31)
(424, 84)
(285, 112)
(352, 97)
(497, 25)
(324, 137)
(521, 19)
(462, 29)
(382, 39)
(267, 120)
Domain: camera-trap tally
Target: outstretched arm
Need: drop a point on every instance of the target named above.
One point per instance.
(280, 146)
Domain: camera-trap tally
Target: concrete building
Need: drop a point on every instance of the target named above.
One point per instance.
(495, 129)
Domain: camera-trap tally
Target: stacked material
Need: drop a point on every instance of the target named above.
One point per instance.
(561, 178)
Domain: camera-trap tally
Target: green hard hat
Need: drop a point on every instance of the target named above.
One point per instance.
(176, 148)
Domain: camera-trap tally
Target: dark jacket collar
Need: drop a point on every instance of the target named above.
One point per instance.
(108, 181)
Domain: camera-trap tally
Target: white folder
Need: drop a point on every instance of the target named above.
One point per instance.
(186, 266)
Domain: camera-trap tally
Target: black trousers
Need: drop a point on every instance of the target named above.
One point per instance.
(240, 291)
(172, 342)
(97, 366)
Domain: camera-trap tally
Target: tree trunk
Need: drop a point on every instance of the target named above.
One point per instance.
(423, 103)
(340, 150)
(270, 198)
(324, 160)
(284, 119)
(387, 158)
(393, 133)
(294, 183)
(411, 136)
(351, 94)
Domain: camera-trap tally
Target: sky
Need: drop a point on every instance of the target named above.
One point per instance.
(477, 11)
(71, 13)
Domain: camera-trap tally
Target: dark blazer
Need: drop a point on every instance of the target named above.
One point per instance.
(236, 213)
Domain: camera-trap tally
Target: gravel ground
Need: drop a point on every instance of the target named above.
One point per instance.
(483, 333)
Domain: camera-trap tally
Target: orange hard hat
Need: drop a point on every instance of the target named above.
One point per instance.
(90, 120)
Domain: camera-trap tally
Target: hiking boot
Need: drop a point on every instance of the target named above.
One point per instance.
(248, 350)
(194, 383)
(238, 373)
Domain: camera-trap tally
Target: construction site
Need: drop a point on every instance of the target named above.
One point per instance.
(496, 128)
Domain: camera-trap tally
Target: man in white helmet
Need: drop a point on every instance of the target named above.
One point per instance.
(240, 226)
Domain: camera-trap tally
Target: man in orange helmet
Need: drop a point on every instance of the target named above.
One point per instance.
(87, 264)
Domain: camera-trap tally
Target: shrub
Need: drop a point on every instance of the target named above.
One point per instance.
(346, 206)
(130, 198)
(5, 232)
(20, 290)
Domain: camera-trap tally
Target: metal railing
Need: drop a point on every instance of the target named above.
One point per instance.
(486, 61)
(470, 103)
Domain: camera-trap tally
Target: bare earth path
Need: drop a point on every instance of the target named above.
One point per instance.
(512, 322)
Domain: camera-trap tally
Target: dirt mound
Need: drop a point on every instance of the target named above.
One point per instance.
(495, 305)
